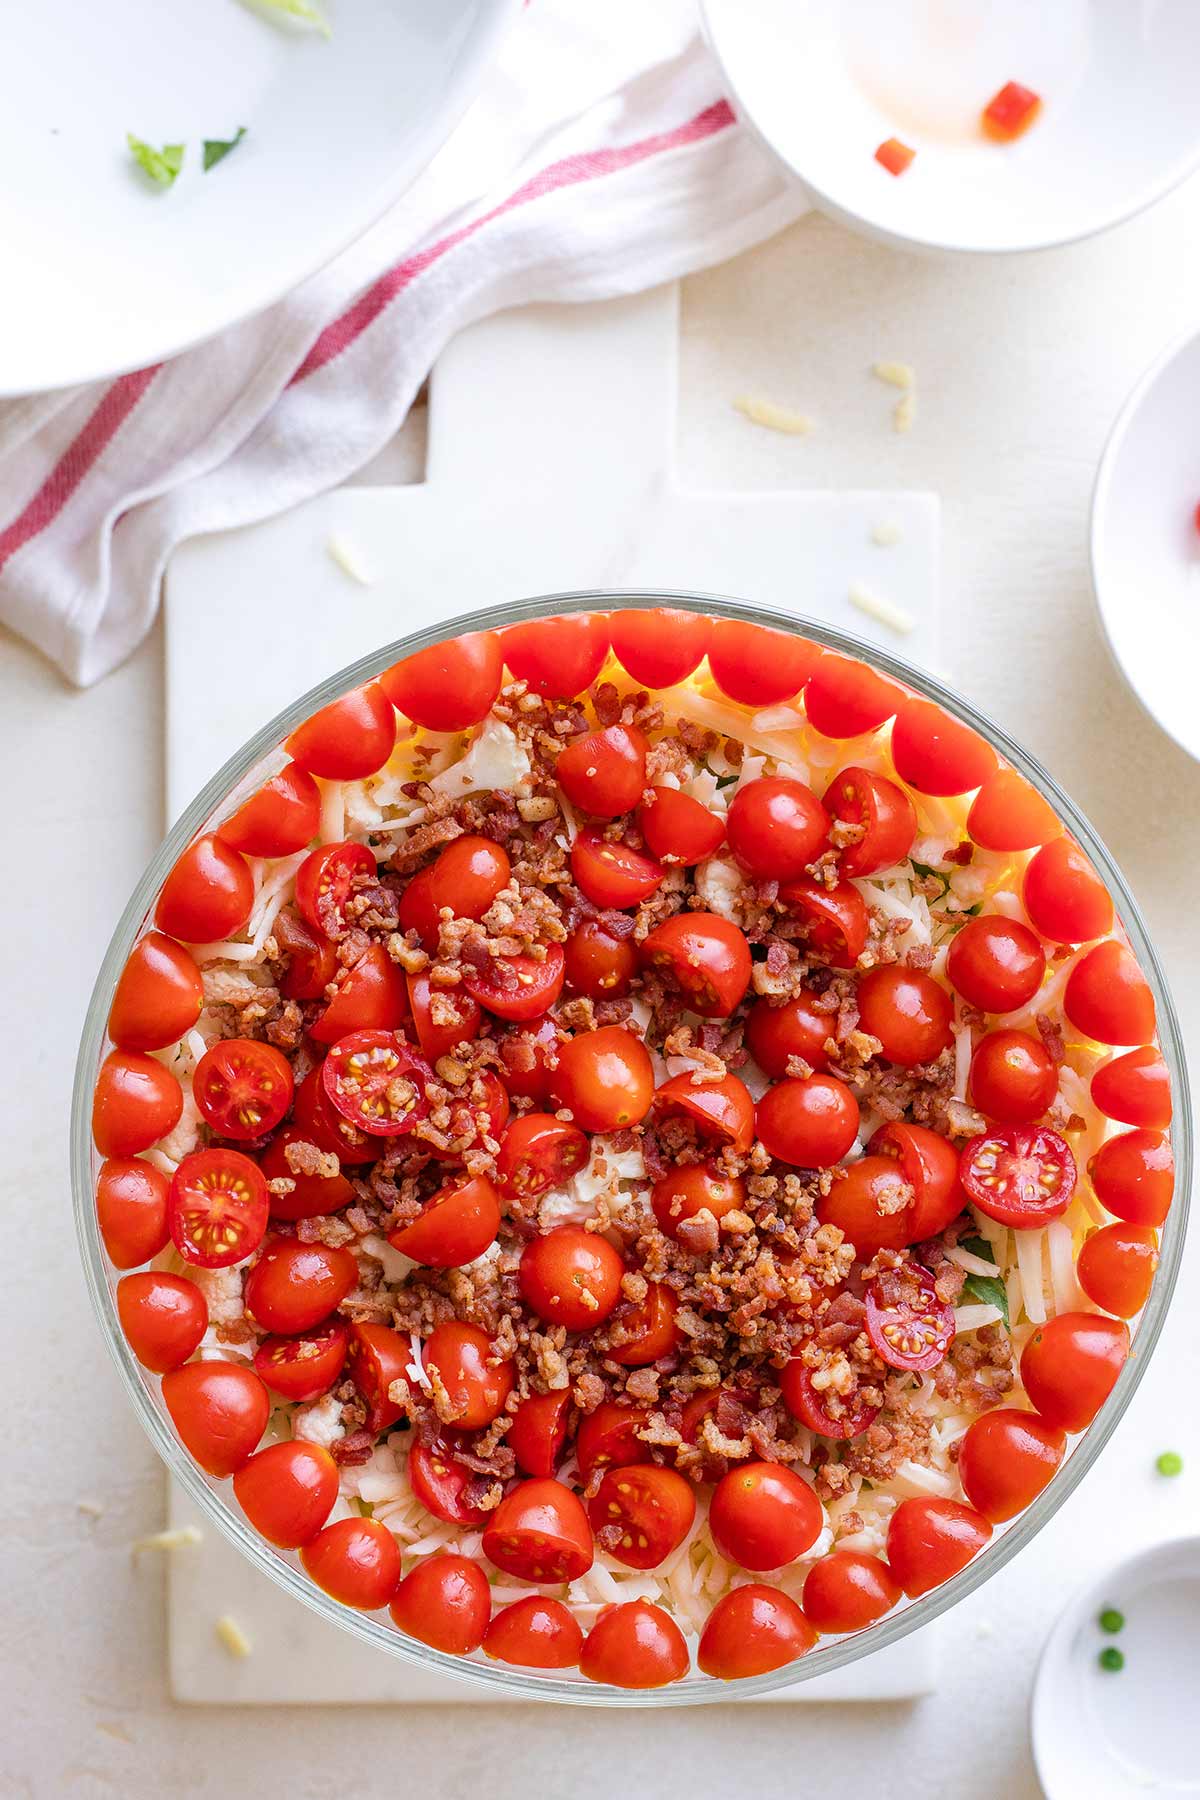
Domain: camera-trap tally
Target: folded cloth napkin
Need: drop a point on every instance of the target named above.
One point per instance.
(601, 158)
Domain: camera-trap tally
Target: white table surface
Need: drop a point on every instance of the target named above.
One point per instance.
(1021, 365)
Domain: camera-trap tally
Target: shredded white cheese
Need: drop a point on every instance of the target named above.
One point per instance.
(973, 1318)
(348, 561)
(332, 828)
(896, 374)
(1029, 1265)
(886, 533)
(886, 612)
(178, 1539)
(775, 418)
(904, 412)
(232, 1636)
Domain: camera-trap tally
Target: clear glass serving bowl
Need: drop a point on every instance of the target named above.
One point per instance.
(214, 1498)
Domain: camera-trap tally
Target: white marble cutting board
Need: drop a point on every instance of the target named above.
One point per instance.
(550, 468)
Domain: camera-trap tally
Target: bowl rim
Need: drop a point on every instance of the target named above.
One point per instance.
(497, 1679)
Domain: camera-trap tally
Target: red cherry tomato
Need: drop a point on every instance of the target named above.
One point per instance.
(136, 1102)
(907, 1011)
(163, 1317)
(456, 1225)
(1134, 1176)
(311, 958)
(811, 1123)
(476, 1384)
(443, 1018)
(751, 1631)
(325, 881)
(611, 873)
(605, 1077)
(1005, 1459)
(376, 1357)
(604, 772)
(756, 666)
(597, 963)
(375, 1081)
(443, 1485)
(540, 1532)
(1064, 897)
(722, 1111)
(480, 1114)
(534, 1634)
(220, 1411)
(931, 1540)
(996, 964)
(1008, 814)
(277, 820)
(356, 1561)
(450, 685)
(538, 1152)
(316, 1122)
(608, 1438)
(641, 1512)
(419, 910)
(348, 739)
(634, 1645)
(776, 827)
(559, 658)
(445, 1602)
(847, 1591)
(287, 1492)
(1013, 1077)
(706, 957)
(371, 995)
(537, 1436)
(517, 987)
(1135, 1088)
(862, 1203)
(1108, 998)
(678, 829)
(1020, 1175)
(938, 754)
(844, 698)
(526, 1059)
(692, 1188)
(571, 1277)
(647, 1331)
(797, 1028)
(909, 1327)
(242, 1087)
(1070, 1365)
(305, 1366)
(131, 1210)
(158, 997)
(294, 1285)
(468, 875)
(662, 647)
(930, 1166)
(218, 1207)
(208, 894)
(1116, 1267)
(885, 813)
(764, 1515)
(836, 919)
(827, 1414)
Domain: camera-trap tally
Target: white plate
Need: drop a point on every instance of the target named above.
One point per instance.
(1116, 1735)
(1145, 543)
(826, 81)
(102, 270)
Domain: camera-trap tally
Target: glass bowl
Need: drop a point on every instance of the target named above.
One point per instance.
(242, 772)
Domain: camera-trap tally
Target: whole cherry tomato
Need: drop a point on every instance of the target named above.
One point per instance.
(540, 1532)
(208, 894)
(929, 1164)
(722, 1111)
(647, 1331)
(764, 1515)
(158, 997)
(1070, 1365)
(1135, 1088)
(371, 995)
(534, 1634)
(751, 1631)
(348, 739)
(811, 1123)
(443, 1485)
(678, 829)
(217, 1209)
(836, 919)
(476, 1382)
(611, 873)
(131, 1210)
(163, 1317)
(1005, 1459)
(996, 964)
(1134, 1176)
(375, 1081)
(816, 1411)
(1008, 814)
(776, 827)
(1116, 1267)
(661, 647)
(537, 1436)
(608, 1437)
(797, 1028)
(756, 666)
(931, 1540)
(641, 1512)
(539, 1151)
(909, 1327)
(938, 754)
(691, 1188)
(907, 1011)
(882, 809)
(305, 1366)
(605, 1077)
(844, 698)
(1020, 1175)
(456, 1225)
(871, 1204)
(450, 685)
(310, 1196)
(287, 1491)
(242, 1087)
(604, 772)
(444, 1601)
(443, 1018)
(136, 1102)
(325, 882)
(1064, 897)
(1108, 998)
(376, 1357)
(294, 1285)
(706, 957)
(558, 658)
(571, 1277)
(468, 874)
(517, 987)
(1013, 1077)
(634, 1645)
(847, 1591)
(220, 1411)
(277, 820)
(356, 1561)
(597, 963)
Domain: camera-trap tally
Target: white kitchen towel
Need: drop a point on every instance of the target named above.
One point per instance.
(600, 159)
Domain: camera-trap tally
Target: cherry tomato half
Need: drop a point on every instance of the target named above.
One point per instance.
(136, 1102)
(751, 1631)
(539, 1151)
(371, 995)
(722, 1111)
(1135, 1088)
(930, 1166)
(540, 1532)
(1013, 1077)
(348, 739)
(558, 658)
(691, 1188)
(706, 957)
(662, 647)
(468, 875)
(1005, 1459)
(1108, 998)
(1064, 897)
(811, 1123)
(443, 1018)
(608, 1438)
(776, 827)
(537, 1436)
(527, 1058)
(996, 964)
(376, 1356)
(844, 698)
(1116, 1267)
(764, 1515)
(938, 754)
(208, 894)
(419, 911)
(287, 1491)
(1020, 1175)
(756, 666)
(317, 1122)
(131, 1210)
(634, 1645)
(605, 1077)
(534, 1634)
(476, 1383)
(797, 1028)
(450, 685)
(163, 1317)
(641, 1512)
(443, 1485)
(604, 772)
(310, 1196)
(311, 958)
(356, 1561)
(158, 997)
(1008, 814)
(1134, 1176)
(597, 963)
(218, 1207)
(827, 1414)
(445, 1602)
(907, 1011)
(305, 1366)
(1070, 1366)
(517, 987)
(678, 829)
(220, 1411)
(279, 819)
(571, 1277)
(847, 1591)
(909, 1327)
(242, 1087)
(647, 1331)
(294, 1285)
(836, 919)
(456, 1225)
(325, 881)
(884, 811)
(375, 1081)
(931, 1540)
(611, 873)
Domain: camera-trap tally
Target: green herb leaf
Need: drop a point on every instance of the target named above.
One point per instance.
(302, 10)
(989, 1290)
(162, 166)
(724, 781)
(925, 870)
(216, 148)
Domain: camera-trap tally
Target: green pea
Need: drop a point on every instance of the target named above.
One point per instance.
(1111, 1659)
(1111, 1619)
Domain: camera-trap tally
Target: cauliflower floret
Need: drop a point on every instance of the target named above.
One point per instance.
(319, 1423)
(719, 884)
(495, 760)
(222, 1290)
(394, 1263)
(362, 813)
(186, 1136)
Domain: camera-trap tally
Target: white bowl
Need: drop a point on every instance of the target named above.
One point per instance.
(824, 82)
(105, 272)
(1145, 544)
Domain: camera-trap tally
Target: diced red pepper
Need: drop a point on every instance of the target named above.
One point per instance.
(1010, 112)
(1196, 516)
(894, 156)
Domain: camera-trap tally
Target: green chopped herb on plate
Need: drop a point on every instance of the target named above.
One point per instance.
(302, 10)
(162, 166)
(1111, 1659)
(1112, 1620)
(1169, 1463)
(215, 149)
(989, 1290)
